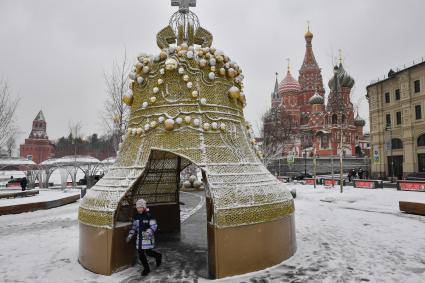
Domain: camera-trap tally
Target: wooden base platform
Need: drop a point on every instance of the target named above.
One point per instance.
(412, 207)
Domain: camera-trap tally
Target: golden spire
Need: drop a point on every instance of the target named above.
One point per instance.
(289, 64)
(308, 33)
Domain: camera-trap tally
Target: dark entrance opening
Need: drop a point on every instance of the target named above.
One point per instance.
(181, 216)
(397, 166)
(421, 162)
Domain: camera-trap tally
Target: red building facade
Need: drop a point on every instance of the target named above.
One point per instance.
(315, 127)
(37, 146)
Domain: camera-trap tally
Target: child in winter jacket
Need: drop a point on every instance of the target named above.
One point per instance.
(144, 226)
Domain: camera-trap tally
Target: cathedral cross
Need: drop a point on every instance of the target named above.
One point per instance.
(183, 4)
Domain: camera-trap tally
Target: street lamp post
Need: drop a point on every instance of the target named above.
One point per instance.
(389, 128)
(341, 167)
(305, 161)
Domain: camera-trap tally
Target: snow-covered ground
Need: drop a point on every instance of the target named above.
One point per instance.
(357, 236)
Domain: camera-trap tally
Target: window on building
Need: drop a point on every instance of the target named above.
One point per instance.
(421, 140)
(334, 119)
(417, 86)
(397, 94)
(387, 97)
(396, 143)
(388, 119)
(418, 112)
(398, 116)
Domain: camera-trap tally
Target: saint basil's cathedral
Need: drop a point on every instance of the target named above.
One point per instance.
(298, 107)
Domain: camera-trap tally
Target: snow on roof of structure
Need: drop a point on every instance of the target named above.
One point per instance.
(16, 161)
(71, 160)
(109, 160)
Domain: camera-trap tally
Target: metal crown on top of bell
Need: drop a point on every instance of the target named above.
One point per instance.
(184, 21)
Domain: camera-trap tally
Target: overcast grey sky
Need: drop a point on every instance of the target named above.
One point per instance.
(53, 53)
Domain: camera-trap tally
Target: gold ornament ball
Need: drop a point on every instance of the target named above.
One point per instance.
(128, 100)
(169, 124)
(163, 55)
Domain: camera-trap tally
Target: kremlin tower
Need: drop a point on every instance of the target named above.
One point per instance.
(37, 146)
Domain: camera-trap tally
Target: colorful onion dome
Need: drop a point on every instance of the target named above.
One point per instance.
(289, 84)
(316, 99)
(344, 78)
(359, 122)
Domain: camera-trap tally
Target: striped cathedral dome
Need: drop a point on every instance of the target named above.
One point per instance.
(289, 84)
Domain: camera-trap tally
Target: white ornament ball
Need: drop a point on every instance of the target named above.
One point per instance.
(197, 184)
(185, 78)
(169, 124)
(223, 126)
(179, 120)
(145, 105)
(195, 94)
(172, 49)
(214, 125)
(189, 54)
(206, 126)
(132, 76)
(147, 127)
(145, 69)
(153, 99)
(161, 120)
(138, 131)
(162, 71)
(213, 62)
(211, 75)
(187, 184)
(171, 64)
(203, 101)
(181, 70)
(155, 90)
(187, 119)
(202, 62)
(189, 85)
(153, 124)
(192, 179)
(196, 122)
(160, 81)
(140, 80)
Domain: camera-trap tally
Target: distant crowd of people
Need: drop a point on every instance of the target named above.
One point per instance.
(357, 174)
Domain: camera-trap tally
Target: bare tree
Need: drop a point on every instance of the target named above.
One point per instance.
(8, 106)
(115, 113)
(10, 145)
(277, 132)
